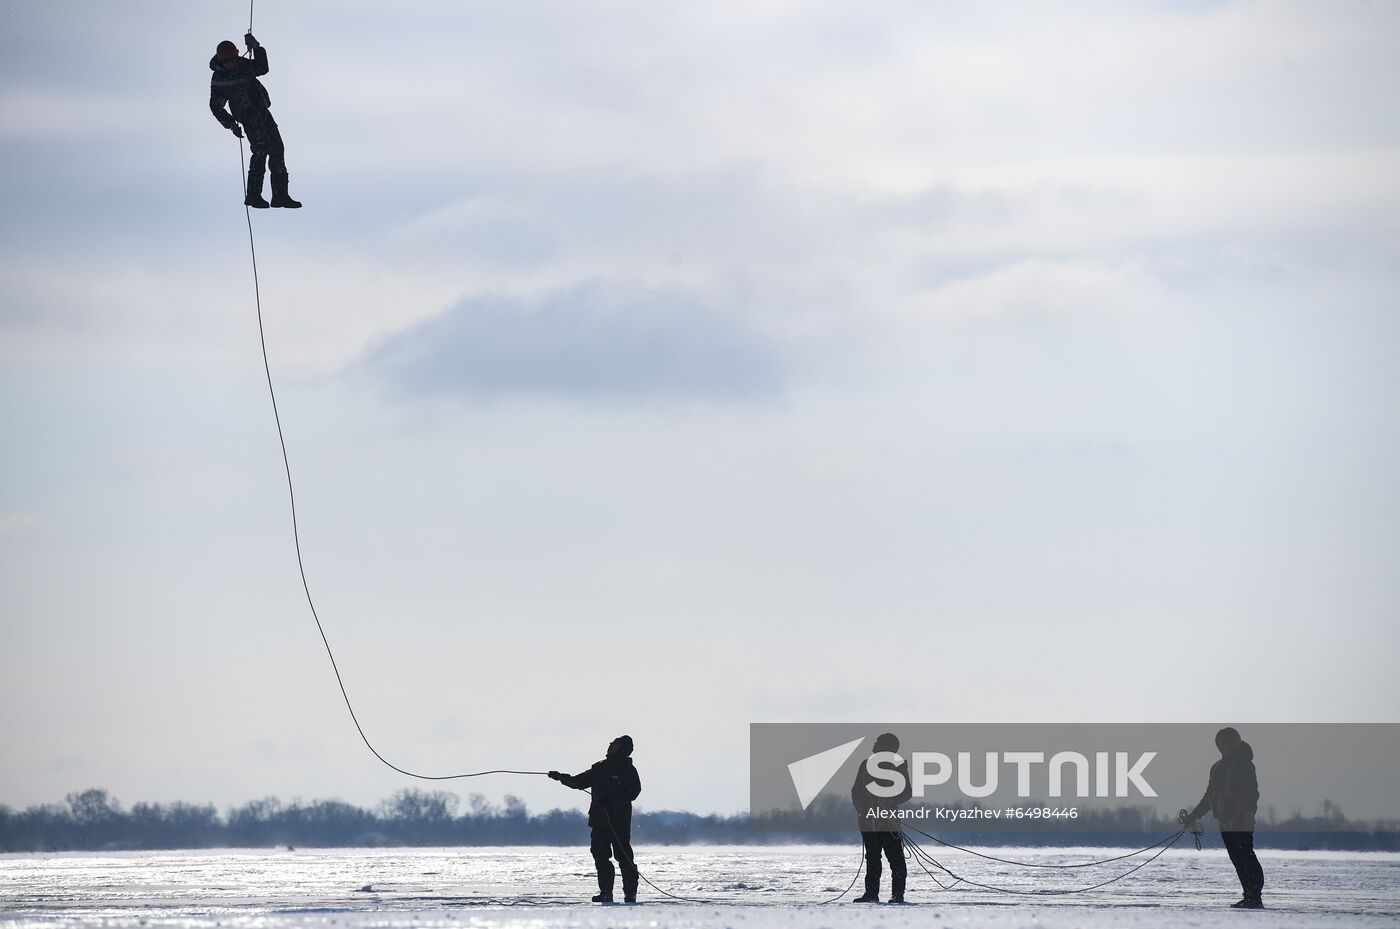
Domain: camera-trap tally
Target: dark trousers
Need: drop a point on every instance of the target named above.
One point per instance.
(614, 840)
(265, 142)
(1240, 846)
(891, 845)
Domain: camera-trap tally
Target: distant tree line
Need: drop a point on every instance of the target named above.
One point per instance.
(94, 820)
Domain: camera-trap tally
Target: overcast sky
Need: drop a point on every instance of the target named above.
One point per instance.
(664, 367)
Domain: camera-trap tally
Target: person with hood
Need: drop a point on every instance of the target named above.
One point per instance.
(1232, 796)
(880, 827)
(235, 84)
(615, 784)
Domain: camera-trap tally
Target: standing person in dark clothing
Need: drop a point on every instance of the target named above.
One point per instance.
(880, 827)
(615, 784)
(1232, 796)
(235, 84)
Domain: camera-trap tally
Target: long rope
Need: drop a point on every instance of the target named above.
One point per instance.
(292, 500)
(292, 497)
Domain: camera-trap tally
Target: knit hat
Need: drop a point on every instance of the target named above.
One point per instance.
(226, 51)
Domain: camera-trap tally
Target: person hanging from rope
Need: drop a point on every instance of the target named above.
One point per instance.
(1232, 796)
(235, 84)
(880, 830)
(615, 784)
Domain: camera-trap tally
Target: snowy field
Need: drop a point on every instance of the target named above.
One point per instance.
(753, 887)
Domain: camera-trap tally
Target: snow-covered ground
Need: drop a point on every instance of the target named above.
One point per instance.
(757, 888)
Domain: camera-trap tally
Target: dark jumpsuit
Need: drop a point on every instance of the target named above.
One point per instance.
(880, 836)
(615, 784)
(248, 100)
(1232, 795)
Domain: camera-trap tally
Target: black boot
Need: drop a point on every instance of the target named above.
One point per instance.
(605, 884)
(1249, 903)
(897, 888)
(280, 197)
(254, 197)
(872, 888)
(629, 888)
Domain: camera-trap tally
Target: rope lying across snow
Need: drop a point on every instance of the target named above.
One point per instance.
(921, 855)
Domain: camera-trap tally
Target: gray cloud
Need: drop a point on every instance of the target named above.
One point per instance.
(592, 341)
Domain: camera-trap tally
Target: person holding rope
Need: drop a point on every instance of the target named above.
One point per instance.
(235, 84)
(880, 830)
(614, 783)
(1232, 796)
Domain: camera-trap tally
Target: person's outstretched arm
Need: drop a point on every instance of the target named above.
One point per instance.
(577, 781)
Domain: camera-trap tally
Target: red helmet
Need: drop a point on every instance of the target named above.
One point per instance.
(226, 51)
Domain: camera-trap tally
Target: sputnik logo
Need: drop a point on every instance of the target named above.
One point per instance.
(810, 775)
(1116, 774)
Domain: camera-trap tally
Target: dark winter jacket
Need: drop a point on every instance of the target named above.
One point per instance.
(864, 801)
(1232, 794)
(239, 88)
(615, 784)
